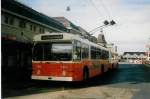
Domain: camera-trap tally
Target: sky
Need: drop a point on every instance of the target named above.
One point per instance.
(131, 32)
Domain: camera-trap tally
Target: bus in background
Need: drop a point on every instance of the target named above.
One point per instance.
(67, 57)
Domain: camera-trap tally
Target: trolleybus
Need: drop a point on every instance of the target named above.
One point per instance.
(68, 57)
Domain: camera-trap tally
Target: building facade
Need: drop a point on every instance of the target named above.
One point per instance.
(19, 24)
(69, 25)
(134, 57)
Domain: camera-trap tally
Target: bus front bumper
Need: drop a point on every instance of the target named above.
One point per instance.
(52, 78)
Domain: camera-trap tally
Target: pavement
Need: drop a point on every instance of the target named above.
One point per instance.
(130, 81)
(85, 93)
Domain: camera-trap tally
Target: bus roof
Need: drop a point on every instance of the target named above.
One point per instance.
(64, 36)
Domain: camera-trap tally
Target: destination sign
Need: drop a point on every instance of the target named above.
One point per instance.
(48, 37)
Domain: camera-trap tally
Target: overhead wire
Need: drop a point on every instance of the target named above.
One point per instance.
(106, 9)
(68, 8)
(96, 8)
(107, 12)
(99, 12)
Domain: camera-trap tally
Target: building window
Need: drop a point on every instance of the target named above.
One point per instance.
(6, 19)
(34, 28)
(31, 27)
(41, 30)
(11, 21)
(22, 24)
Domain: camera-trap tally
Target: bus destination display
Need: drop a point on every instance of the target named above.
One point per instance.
(48, 37)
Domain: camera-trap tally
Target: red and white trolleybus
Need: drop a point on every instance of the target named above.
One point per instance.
(68, 57)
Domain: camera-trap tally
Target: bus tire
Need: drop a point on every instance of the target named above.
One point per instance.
(85, 74)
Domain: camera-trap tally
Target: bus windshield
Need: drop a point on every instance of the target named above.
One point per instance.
(52, 52)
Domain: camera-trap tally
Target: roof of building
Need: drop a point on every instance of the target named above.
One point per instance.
(83, 30)
(21, 9)
(63, 20)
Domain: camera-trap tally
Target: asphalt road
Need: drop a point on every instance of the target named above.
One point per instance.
(131, 76)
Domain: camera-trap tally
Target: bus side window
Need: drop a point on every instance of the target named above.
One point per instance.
(98, 53)
(107, 55)
(85, 51)
(93, 53)
(104, 54)
(77, 50)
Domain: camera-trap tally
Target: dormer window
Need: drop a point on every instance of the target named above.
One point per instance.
(22, 24)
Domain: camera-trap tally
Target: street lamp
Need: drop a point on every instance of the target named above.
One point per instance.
(112, 22)
(105, 23)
